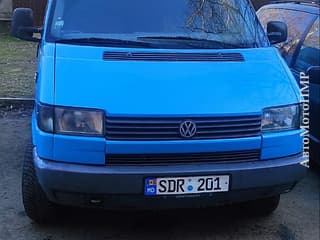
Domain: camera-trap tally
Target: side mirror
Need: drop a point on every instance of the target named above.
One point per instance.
(314, 74)
(22, 25)
(277, 32)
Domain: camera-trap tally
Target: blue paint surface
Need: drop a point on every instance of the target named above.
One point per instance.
(77, 76)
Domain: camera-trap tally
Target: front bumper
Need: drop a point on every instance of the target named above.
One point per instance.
(122, 187)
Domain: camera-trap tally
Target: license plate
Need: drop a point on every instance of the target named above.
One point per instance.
(186, 185)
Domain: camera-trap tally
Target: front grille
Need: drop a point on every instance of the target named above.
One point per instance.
(173, 57)
(162, 129)
(185, 158)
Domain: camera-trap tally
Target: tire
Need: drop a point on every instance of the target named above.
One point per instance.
(262, 207)
(36, 204)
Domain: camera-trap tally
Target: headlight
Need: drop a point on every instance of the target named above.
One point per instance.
(70, 121)
(281, 118)
(78, 121)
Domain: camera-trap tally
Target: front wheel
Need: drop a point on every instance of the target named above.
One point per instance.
(36, 204)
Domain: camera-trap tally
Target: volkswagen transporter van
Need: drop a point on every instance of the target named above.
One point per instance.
(159, 104)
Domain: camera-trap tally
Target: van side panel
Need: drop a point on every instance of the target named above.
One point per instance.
(41, 140)
(45, 89)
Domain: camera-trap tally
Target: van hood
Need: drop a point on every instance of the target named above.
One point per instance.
(84, 79)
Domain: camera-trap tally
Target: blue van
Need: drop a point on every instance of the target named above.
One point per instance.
(159, 104)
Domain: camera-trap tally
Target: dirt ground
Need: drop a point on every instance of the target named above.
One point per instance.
(296, 218)
(17, 67)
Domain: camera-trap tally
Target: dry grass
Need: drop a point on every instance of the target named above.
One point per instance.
(17, 67)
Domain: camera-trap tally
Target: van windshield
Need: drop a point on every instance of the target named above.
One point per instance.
(154, 23)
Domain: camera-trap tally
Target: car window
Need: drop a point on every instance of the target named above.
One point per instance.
(309, 54)
(234, 22)
(296, 22)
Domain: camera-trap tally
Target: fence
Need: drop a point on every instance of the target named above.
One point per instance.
(38, 7)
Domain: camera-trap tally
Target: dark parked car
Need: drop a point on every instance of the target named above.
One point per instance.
(302, 52)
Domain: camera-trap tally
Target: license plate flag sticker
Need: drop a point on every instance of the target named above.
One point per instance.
(150, 187)
(186, 185)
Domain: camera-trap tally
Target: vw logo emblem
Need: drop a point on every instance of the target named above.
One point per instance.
(188, 129)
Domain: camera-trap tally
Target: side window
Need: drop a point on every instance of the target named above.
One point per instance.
(296, 21)
(309, 54)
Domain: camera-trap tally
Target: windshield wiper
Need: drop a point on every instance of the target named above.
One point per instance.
(200, 42)
(105, 42)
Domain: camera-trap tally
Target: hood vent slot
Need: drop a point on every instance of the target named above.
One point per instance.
(173, 57)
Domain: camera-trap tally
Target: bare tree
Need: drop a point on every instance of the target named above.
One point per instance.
(222, 16)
